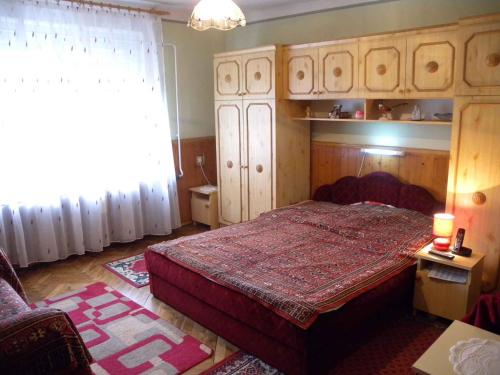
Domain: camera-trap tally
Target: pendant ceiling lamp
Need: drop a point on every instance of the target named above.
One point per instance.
(216, 14)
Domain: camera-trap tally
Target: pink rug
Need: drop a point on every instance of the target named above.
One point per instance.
(125, 338)
(132, 270)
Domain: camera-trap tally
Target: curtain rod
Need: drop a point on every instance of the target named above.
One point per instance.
(120, 7)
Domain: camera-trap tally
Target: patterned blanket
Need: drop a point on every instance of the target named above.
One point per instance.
(306, 259)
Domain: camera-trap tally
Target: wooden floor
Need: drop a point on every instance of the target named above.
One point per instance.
(47, 280)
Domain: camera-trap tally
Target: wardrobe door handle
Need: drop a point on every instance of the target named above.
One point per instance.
(493, 59)
(479, 198)
(259, 168)
(229, 164)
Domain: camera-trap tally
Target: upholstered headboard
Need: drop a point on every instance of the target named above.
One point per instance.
(379, 187)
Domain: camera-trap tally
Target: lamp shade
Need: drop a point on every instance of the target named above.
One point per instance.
(443, 225)
(216, 14)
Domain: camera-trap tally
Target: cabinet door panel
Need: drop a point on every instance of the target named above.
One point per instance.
(258, 75)
(260, 118)
(474, 179)
(229, 127)
(227, 77)
(301, 73)
(338, 71)
(479, 59)
(383, 63)
(430, 65)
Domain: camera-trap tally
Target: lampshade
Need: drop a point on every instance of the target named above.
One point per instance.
(443, 225)
(216, 14)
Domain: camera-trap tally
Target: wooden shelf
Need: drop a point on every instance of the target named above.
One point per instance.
(423, 122)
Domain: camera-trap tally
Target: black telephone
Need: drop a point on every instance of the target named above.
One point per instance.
(458, 248)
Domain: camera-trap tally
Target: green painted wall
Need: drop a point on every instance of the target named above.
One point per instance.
(195, 52)
(357, 21)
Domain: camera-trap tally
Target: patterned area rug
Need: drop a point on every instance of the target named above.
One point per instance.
(132, 270)
(125, 338)
(392, 351)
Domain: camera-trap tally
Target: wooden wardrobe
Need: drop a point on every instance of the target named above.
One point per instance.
(262, 154)
(474, 177)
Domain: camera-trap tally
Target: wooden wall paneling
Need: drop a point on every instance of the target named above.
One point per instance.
(192, 174)
(426, 168)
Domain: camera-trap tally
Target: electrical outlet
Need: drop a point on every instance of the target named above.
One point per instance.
(200, 160)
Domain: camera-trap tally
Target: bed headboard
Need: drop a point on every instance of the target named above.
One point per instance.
(379, 187)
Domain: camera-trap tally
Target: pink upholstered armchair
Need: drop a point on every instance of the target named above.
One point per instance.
(38, 341)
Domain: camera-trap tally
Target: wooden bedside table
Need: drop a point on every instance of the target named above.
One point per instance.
(435, 360)
(204, 205)
(444, 298)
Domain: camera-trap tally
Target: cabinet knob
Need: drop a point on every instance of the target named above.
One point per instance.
(479, 198)
(401, 91)
(257, 76)
(300, 75)
(493, 59)
(259, 168)
(381, 69)
(408, 90)
(337, 72)
(432, 67)
(229, 164)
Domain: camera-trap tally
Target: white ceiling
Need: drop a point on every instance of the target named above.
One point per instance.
(254, 10)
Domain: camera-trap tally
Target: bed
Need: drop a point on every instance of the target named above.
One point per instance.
(298, 284)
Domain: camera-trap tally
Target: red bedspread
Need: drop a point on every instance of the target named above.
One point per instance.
(307, 259)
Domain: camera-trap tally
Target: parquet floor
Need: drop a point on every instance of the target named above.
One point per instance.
(47, 280)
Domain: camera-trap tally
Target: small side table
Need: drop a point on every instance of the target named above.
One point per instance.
(444, 298)
(435, 360)
(204, 205)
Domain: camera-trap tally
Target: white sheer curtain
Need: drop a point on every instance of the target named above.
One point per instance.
(85, 149)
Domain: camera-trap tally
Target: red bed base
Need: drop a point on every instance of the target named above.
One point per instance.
(259, 331)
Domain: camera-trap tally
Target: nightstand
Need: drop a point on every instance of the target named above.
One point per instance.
(444, 298)
(204, 205)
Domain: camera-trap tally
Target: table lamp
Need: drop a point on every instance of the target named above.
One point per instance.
(442, 231)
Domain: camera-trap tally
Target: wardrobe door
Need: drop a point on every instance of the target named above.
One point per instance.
(474, 178)
(300, 67)
(479, 58)
(338, 71)
(258, 75)
(260, 134)
(227, 78)
(430, 67)
(382, 67)
(229, 132)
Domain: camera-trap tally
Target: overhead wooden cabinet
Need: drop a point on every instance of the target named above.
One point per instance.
(382, 67)
(329, 70)
(300, 68)
(474, 178)
(262, 154)
(479, 56)
(251, 76)
(338, 70)
(430, 65)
